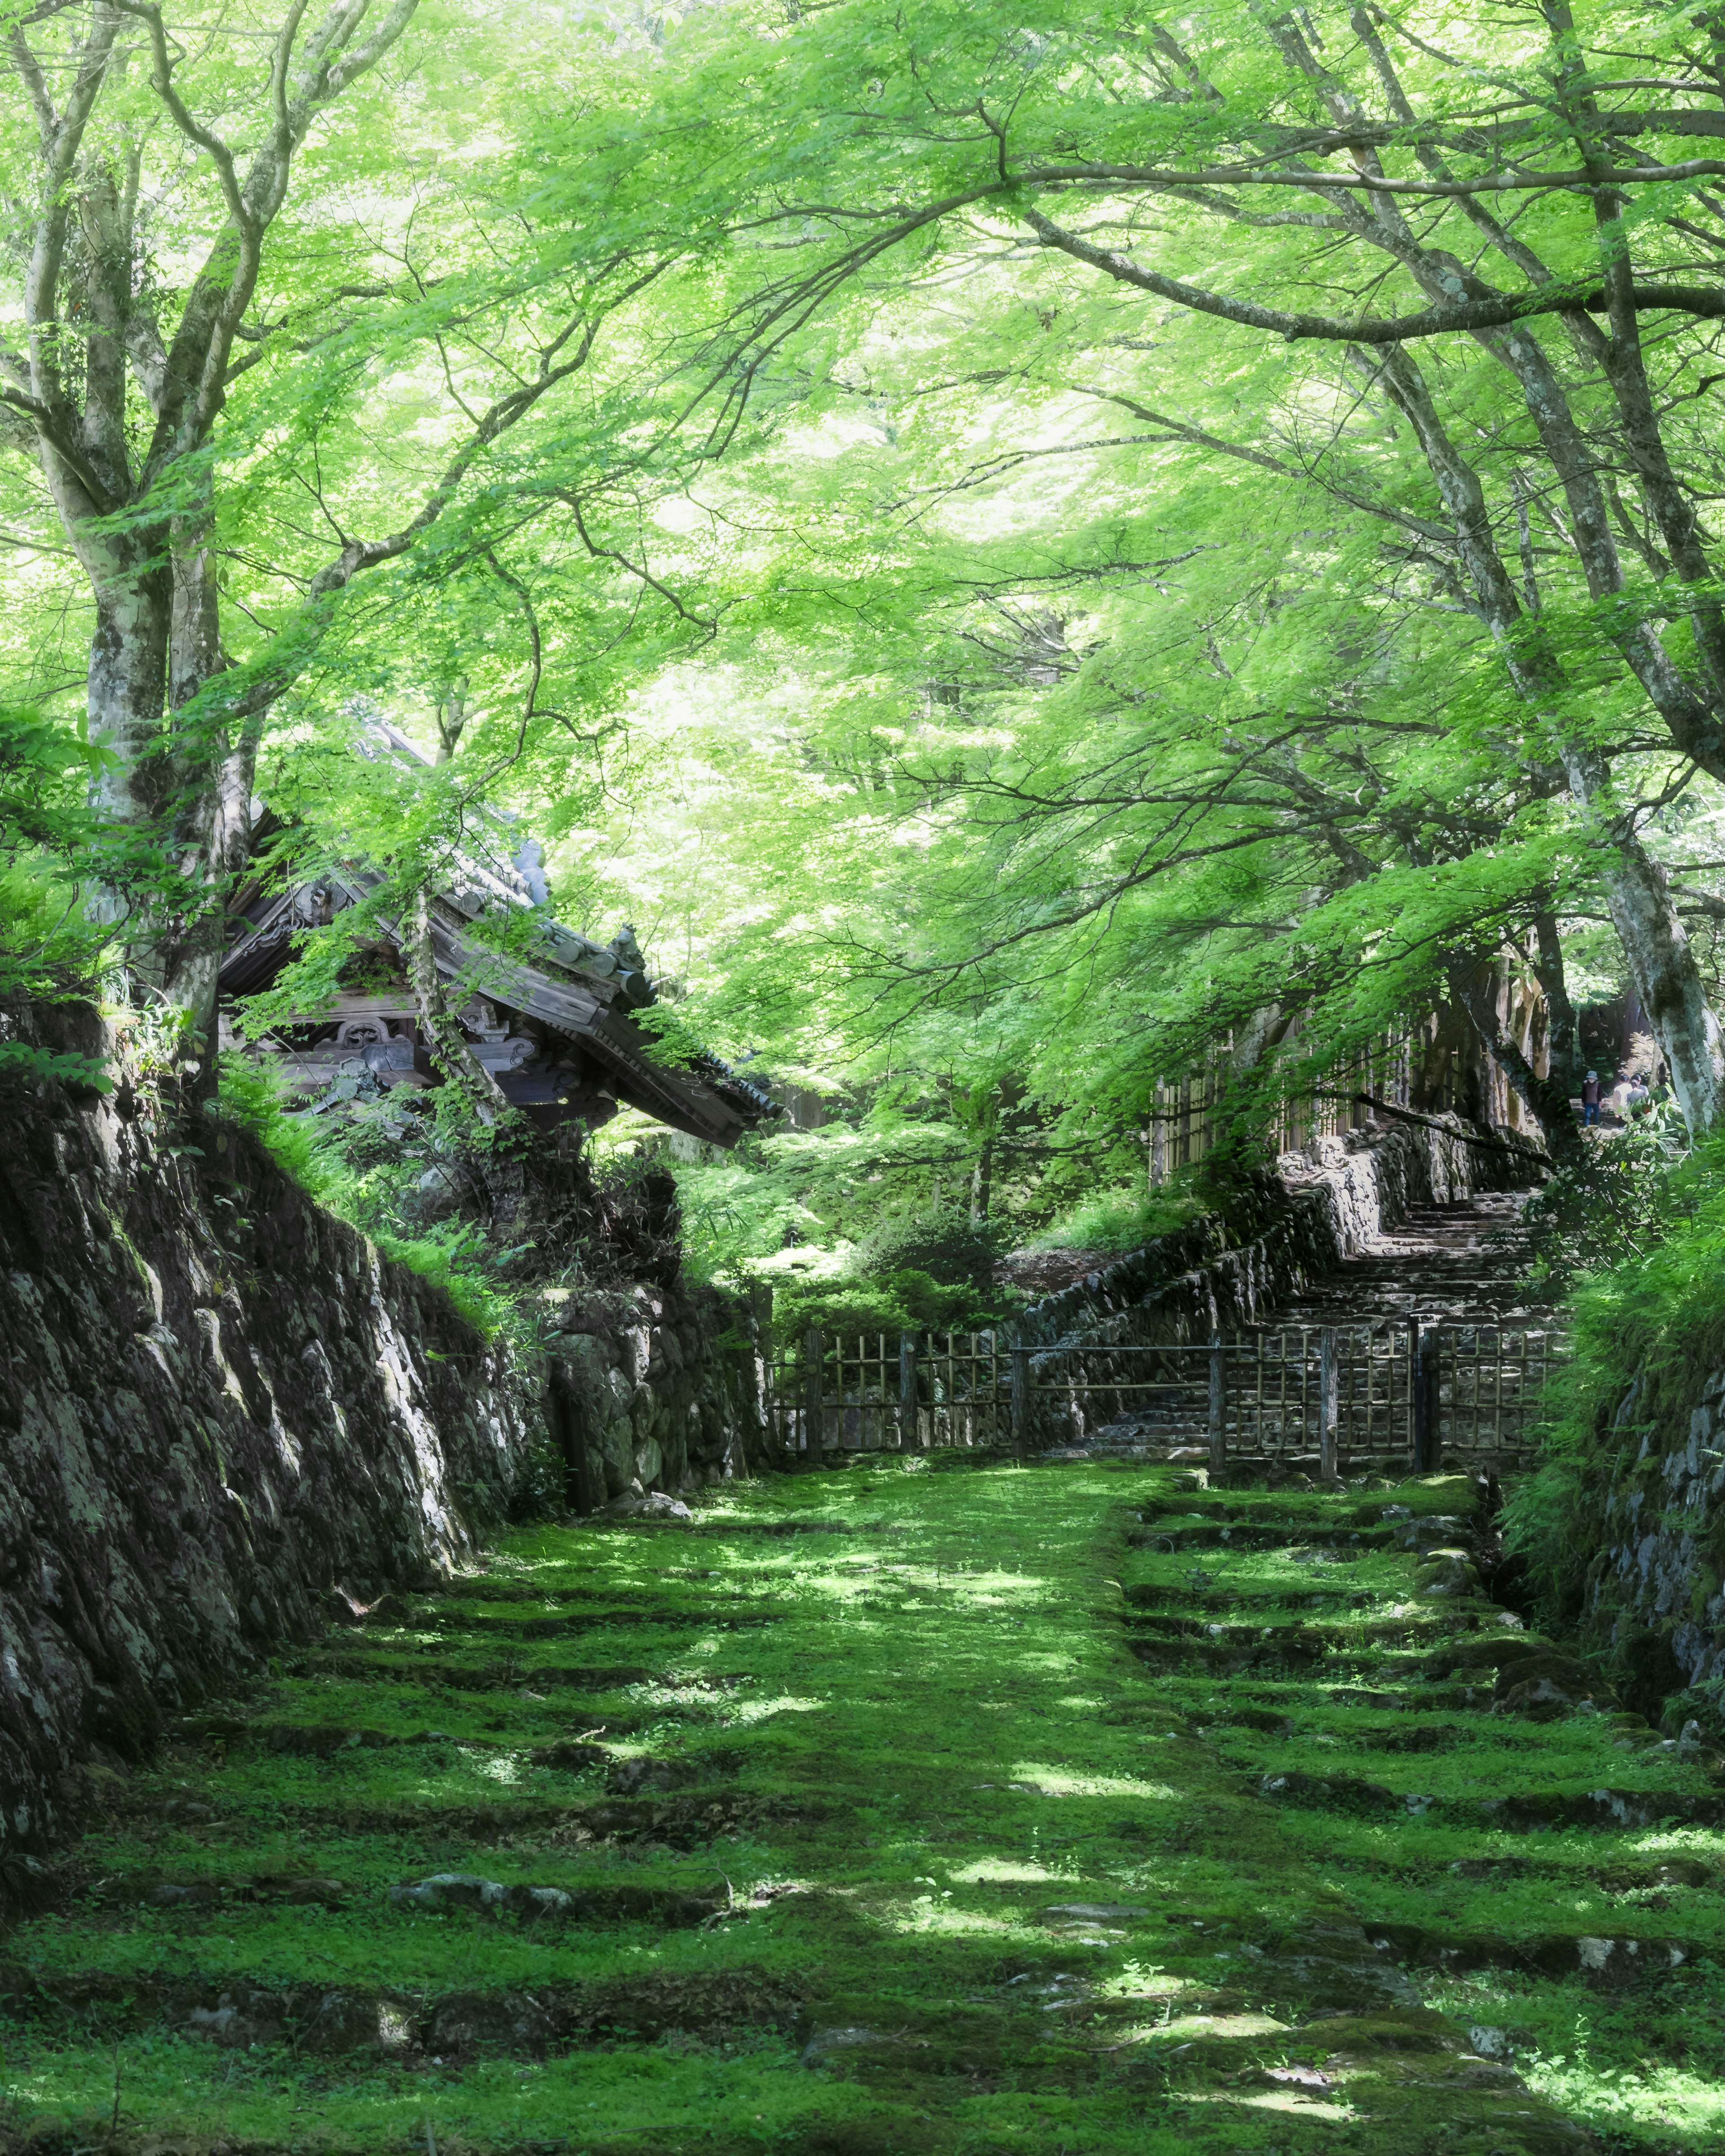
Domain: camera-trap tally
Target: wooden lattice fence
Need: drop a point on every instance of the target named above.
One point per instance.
(1459, 1392)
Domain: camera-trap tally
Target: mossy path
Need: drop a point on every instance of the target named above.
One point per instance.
(978, 1808)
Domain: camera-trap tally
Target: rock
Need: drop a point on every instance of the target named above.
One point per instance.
(1540, 1699)
(168, 1894)
(656, 1505)
(1492, 1867)
(827, 2043)
(1446, 1573)
(1682, 1872)
(315, 1893)
(1096, 1912)
(530, 1905)
(1573, 1689)
(186, 1811)
(482, 2022)
(321, 1739)
(466, 1890)
(450, 1889)
(344, 2021)
(572, 1754)
(1339, 1793)
(635, 1778)
(223, 2024)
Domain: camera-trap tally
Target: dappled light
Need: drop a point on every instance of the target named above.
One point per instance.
(862, 1044)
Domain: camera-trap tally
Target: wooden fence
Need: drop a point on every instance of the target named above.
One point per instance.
(1419, 1390)
(875, 1391)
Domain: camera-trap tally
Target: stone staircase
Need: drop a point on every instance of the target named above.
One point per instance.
(898, 1810)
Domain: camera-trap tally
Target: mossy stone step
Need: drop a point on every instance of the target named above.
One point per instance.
(333, 2019)
(1322, 1632)
(1606, 1962)
(484, 1628)
(861, 1949)
(434, 1672)
(1524, 1812)
(1157, 1596)
(1172, 1535)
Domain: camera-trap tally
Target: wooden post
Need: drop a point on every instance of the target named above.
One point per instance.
(1218, 1425)
(1326, 1404)
(761, 1362)
(569, 1421)
(1422, 1395)
(1158, 1139)
(814, 1399)
(909, 1421)
(1021, 1396)
(1413, 1390)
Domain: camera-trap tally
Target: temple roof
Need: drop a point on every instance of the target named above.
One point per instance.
(577, 996)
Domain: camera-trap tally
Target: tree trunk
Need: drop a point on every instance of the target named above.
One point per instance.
(126, 690)
(982, 1179)
(1669, 983)
(1547, 1100)
(444, 1037)
(1563, 1036)
(211, 809)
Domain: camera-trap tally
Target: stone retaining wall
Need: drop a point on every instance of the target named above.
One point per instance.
(1654, 1497)
(218, 1404)
(651, 1389)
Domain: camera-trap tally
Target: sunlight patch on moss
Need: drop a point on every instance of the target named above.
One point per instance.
(1000, 1870)
(1062, 1782)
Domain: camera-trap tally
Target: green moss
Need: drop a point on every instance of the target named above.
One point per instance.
(936, 1799)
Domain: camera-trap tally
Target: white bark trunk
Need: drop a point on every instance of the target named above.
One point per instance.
(1669, 984)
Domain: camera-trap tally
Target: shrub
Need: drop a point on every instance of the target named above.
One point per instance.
(1117, 1220)
(948, 1246)
(908, 1300)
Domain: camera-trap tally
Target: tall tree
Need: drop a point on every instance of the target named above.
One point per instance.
(1482, 265)
(169, 288)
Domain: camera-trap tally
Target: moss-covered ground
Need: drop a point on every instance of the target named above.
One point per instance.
(1066, 1809)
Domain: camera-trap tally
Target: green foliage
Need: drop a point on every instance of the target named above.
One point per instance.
(984, 711)
(1118, 1220)
(1615, 1201)
(344, 1169)
(946, 1246)
(863, 1298)
(1646, 1331)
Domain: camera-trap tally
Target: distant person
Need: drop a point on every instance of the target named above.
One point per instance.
(1636, 1098)
(1590, 1097)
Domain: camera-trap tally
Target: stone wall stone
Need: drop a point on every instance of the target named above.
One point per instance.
(664, 1389)
(224, 1415)
(1653, 1506)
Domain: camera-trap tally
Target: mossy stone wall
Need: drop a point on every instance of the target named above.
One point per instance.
(664, 1382)
(218, 1404)
(1652, 1506)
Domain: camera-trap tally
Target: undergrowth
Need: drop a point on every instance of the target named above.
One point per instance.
(358, 1184)
(1118, 1219)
